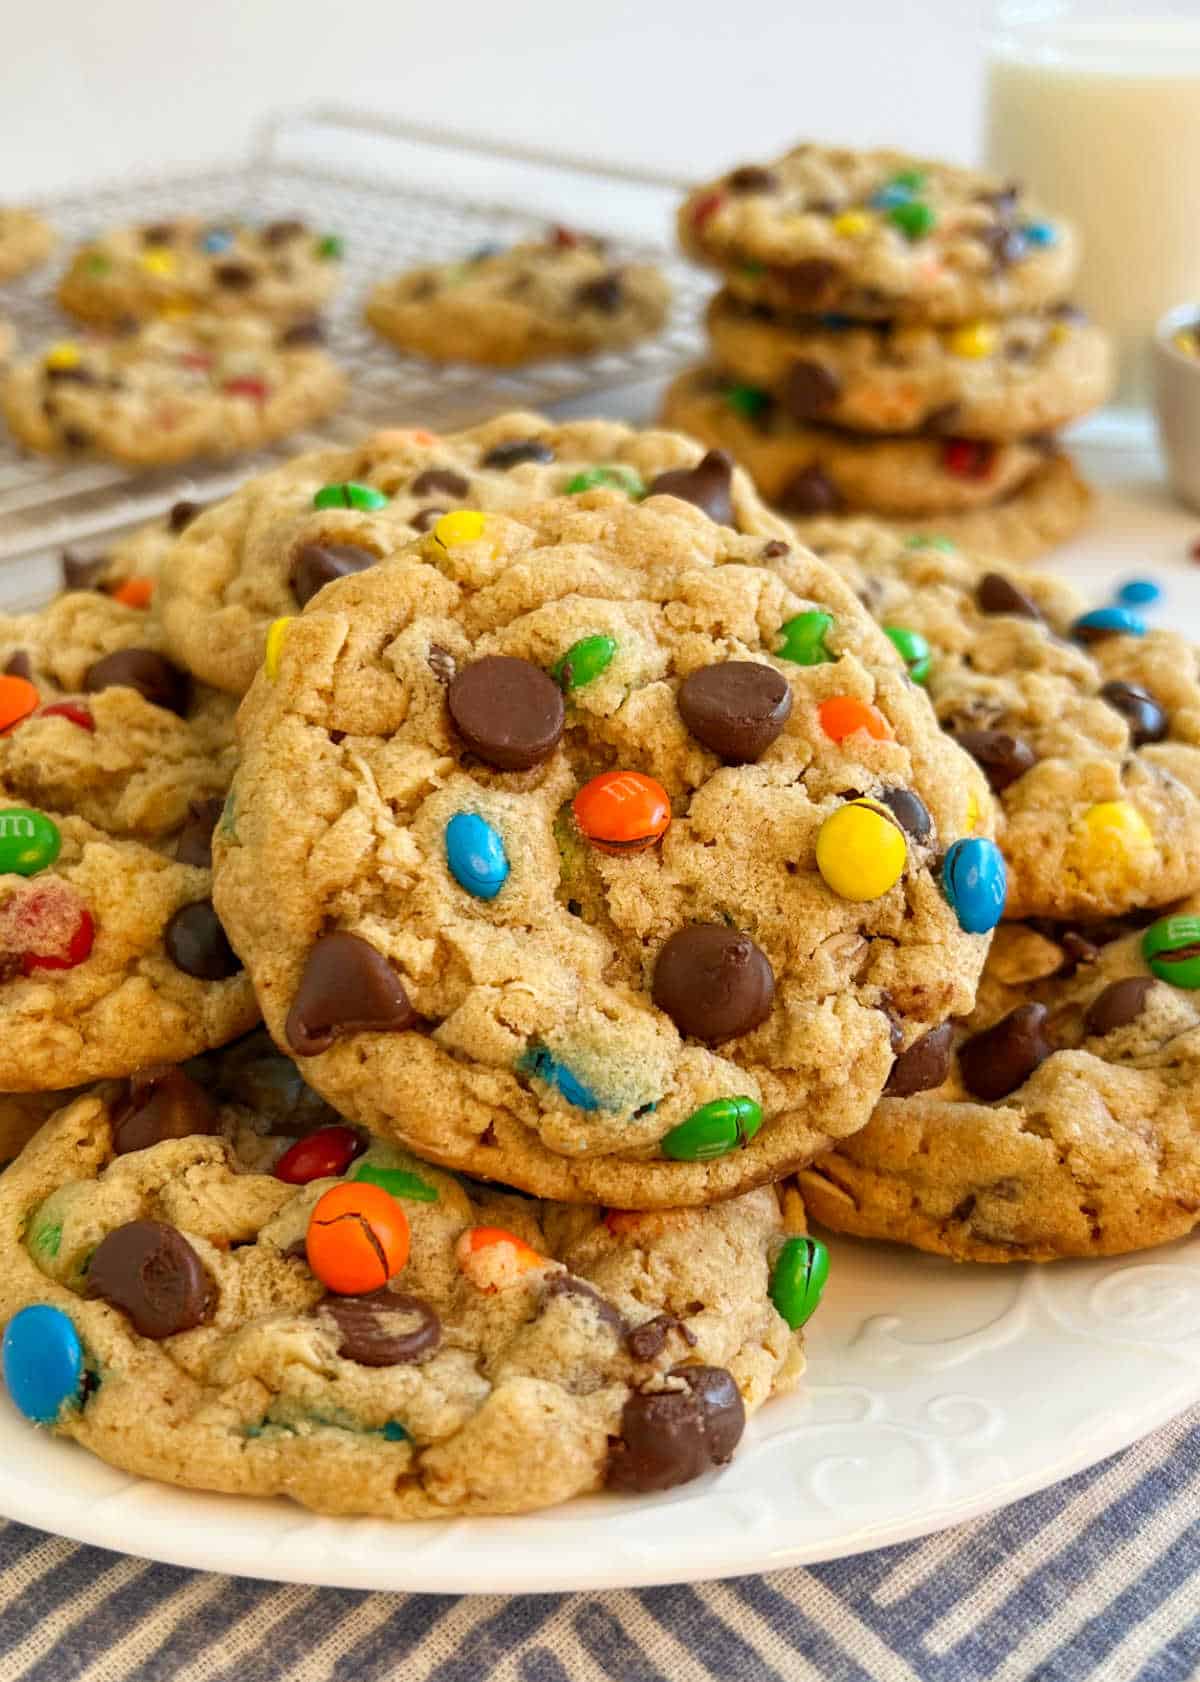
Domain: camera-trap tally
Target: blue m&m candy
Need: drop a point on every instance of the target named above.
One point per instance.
(475, 854)
(43, 1362)
(975, 883)
(542, 1064)
(1138, 592)
(1040, 233)
(1108, 622)
(215, 240)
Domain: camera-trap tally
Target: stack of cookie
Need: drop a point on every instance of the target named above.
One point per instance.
(588, 837)
(893, 337)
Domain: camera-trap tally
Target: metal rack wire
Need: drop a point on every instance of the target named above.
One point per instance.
(400, 195)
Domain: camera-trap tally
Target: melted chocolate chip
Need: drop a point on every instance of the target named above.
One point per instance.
(158, 233)
(1147, 721)
(235, 277)
(1004, 758)
(347, 987)
(1121, 1003)
(318, 564)
(997, 594)
(570, 1285)
(647, 1341)
(926, 1063)
(736, 708)
(194, 846)
(155, 678)
(669, 1437)
(706, 486)
(161, 1103)
(1001, 1058)
(516, 451)
(809, 389)
(713, 982)
(382, 1328)
(605, 294)
(150, 1271)
(197, 944)
(751, 178)
(440, 481)
(279, 233)
(811, 491)
(507, 711)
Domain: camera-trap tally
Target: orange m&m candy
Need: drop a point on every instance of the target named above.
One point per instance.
(493, 1258)
(622, 811)
(135, 592)
(357, 1238)
(842, 715)
(18, 698)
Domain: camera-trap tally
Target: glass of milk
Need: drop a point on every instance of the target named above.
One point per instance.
(1095, 106)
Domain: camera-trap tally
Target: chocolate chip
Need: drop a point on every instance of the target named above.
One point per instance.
(647, 1341)
(19, 665)
(1146, 719)
(302, 333)
(279, 233)
(706, 486)
(194, 846)
(75, 438)
(606, 293)
(809, 389)
(1004, 758)
(161, 1103)
(570, 1285)
(751, 178)
(182, 514)
(150, 1271)
(774, 549)
(1069, 313)
(1077, 949)
(926, 1063)
(507, 711)
(82, 572)
(1004, 243)
(382, 1328)
(811, 283)
(1001, 1058)
(237, 277)
(440, 481)
(158, 233)
(735, 708)
(318, 564)
(669, 1437)
(997, 594)
(1121, 1003)
(75, 376)
(154, 677)
(942, 419)
(909, 811)
(441, 662)
(347, 987)
(197, 944)
(515, 451)
(425, 518)
(713, 982)
(1002, 199)
(811, 491)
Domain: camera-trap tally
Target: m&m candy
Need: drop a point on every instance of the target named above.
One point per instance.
(323, 1155)
(1138, 592)
(975, 340)
(29, 841)
(357, 1238)
(214, 240)
(616, 478)
(273, 653)
(43, 1362)
(583, 662)
(713, 1130)
(968, 458)
(135, 592)
(1171, 947)
(622, 811)
(331, 247)
(913, 219)
(798, 1279)
(843, 715)
(541, 1063)
(804, 639)
(350, 495)
(1111, 833)
(465, 525)
(18, 698)
(397, 1182)
(749, 401)
(1040, 233)
(912, 648)
(975, 883)
(1104, 622)
(494, 1259)
(475, 855)
(861, 850)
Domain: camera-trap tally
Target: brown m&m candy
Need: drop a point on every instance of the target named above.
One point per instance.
(736, 709)
(347, 988)
(507, 711)
(669, 1437)
(713, 982)
(706, 486)
(382, 1328)
(150, 1271)
(1001, 1058)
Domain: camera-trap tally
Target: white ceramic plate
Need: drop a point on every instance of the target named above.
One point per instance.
(934, 1392)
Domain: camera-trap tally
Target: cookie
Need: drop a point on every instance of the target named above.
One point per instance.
(21, 1114)
(807, 470)
(562, 296)
(1090, 739)
(996, 380)
(230, 1325)
(597, 849)
(283, 270)
(172, 391)
(113, 766)
(880, 236)
(265, 550)
(1063, 1119)
(1051, 506)
(8, 339)
(25, 241)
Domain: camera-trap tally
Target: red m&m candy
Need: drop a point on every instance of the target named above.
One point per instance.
(622, 811)
(323, 1155)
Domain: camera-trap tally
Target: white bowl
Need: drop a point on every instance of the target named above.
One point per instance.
(1177, 403)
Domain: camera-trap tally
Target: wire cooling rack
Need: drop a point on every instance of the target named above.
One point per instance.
(399, 195)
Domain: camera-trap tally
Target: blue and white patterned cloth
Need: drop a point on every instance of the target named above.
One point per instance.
(1097, 1578)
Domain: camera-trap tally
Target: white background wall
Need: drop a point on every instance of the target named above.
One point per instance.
(94, 88)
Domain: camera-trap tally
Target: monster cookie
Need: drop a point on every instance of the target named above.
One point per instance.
(1063, 1119)
(563, 296)
(816, 470)
(112, 770)
(8, 339)
(128, 567)
(25, 241)
(992, 380)
(878, 235)
(197, 1301)
(1087, 726)
(168, 391)
(264, 551)
(628, 856)
(283, 270)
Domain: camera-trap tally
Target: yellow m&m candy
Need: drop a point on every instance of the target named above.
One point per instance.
(976, 339)
(274, 651)
(861, 852)
(465, 525)
(853, 224)
(1112, 835)
(65, 354)
(158, 262)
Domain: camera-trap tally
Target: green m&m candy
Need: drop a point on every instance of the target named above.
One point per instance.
(615, 478)
(397, 1182)
(749, 401)
(331, 247)
(583, 661)
(912, 649)
(1172, 949)
(798, 1279)
(350, 495)
(929, 540)
(29, 842)
(804, 639)
(713, 1130)
(913, 219)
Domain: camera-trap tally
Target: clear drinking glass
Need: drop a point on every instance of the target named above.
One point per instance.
(1095, 104)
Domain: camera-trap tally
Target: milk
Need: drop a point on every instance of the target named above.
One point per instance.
(1099, 114)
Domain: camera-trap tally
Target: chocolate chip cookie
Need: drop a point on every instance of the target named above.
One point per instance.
(113, 766)
(25, 241)
(994, 380)
(1063, 1119)
(267, 549)
(171, 391)
(1089, 734)
(596, 848)
(563, 296)
(880, 236)
(165, 1283)
(282, 270)
(807, 470)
